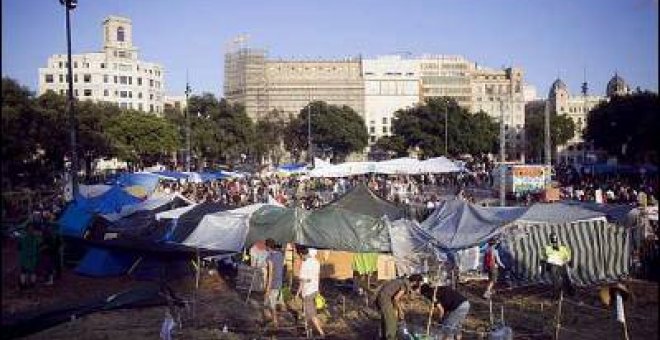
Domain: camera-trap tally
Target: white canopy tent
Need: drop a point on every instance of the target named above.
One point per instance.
(402, 166)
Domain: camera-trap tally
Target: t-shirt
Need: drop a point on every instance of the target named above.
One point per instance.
(449, 298)
(276, 258)
(310, 270)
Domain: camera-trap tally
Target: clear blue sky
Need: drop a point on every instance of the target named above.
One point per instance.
(546, 38)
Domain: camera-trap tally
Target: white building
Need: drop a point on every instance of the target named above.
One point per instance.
(391, 84)
(577, 107)
(113, 75)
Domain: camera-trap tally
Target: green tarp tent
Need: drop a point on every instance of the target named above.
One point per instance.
(362, 200)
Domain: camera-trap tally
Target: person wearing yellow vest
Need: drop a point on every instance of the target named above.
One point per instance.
(557, 258)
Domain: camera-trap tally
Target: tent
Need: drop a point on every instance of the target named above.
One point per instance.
(89, 191)
(99, 262)
(160, 202)
(77, 216)
(363, 200)
(225, 230)
(189, 220)
(280, 224)
(438, 165)
(174, 214)
(146, 180)
(600, 251)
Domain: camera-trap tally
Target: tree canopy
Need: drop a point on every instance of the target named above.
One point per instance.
(626, 127)
(423, 126)
(562, 129)
(338, 128)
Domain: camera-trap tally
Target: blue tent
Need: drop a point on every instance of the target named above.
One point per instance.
(100, 262)
(172, 174)
(77, 216)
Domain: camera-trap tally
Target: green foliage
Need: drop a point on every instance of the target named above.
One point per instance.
(626, 123)
(423, 126)
(562, 129)
(392, 144)
(332, 126)
(269, 134)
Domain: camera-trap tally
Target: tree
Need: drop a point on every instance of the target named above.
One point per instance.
(626, 127)
(269, 133)
(337, 127)
(423, 126)
(562, 129)
(392, 144)
(141, 138)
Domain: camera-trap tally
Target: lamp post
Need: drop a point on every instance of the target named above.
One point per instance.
(70, 5)
(187, 128)
(502, 165)
(309, 131)
(446, 122)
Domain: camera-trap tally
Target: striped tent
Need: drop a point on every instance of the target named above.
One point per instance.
(600, 251)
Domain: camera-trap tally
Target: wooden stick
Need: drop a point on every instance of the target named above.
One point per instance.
(428, 323)
(490, 310)
(558, 318)
(343, 305)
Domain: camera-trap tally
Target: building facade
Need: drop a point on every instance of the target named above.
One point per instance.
(114, 75)
(577, 107)
(391, 83)
(263, 85)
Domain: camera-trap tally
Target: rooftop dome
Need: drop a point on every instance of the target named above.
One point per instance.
(557, 85)
(616, 86)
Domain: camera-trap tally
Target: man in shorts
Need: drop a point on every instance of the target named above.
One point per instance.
(273, 279)
(310, 271)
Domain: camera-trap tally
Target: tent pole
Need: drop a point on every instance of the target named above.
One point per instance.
(558, 318)
(135, 264)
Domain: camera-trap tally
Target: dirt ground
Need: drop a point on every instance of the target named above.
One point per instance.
(529, 311)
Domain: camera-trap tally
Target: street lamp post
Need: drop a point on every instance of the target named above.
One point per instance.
(446, 122)
(502, 159)
(187, 129)
(70, 5)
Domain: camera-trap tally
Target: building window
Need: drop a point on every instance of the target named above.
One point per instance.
(106, 93)
(123, 80)
(49, 78)
(372, 139)
(151, 107)
(120, 33)
(102, 65)
(151, 97)
(130, 94)
(115, 79)
(105, 78)
(123, 94)
(87, 78)
(62, 92)
(151, 83)
(61, 78)
(139, 81)
(121, 54)
(116, 93)
(60, 64)
(372, 129)
(384, 129)
(75, 78)
(75, 92)
(140, 106)
(139, 95)
(130, 80)
(87, 92)
(384, 120)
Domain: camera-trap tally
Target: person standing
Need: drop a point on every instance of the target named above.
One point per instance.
(452, 307)
(557, 258)
(389, 303)
(310, 271)
(28, 248)
(274, 277)
(492, 265)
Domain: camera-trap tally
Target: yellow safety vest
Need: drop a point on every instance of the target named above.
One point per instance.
(557, 256)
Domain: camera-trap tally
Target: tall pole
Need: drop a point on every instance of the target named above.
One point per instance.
(187, 126)
(502, 159)
(446, 122)
(548, 155)
(309, 130)
(69, 5)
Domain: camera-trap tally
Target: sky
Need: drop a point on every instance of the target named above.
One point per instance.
(546, 38)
